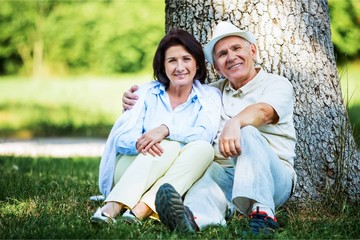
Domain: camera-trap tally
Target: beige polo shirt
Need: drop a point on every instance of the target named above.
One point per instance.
(268, 88)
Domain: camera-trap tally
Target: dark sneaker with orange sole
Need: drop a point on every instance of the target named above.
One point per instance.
(172, 212)
(262, 224)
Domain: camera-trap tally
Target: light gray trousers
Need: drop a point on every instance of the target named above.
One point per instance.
(258, 176)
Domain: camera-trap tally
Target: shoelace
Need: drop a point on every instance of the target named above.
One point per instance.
(260, 221)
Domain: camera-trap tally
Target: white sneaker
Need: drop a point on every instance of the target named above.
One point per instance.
(97, 198)
(102, 217)
(129, 217)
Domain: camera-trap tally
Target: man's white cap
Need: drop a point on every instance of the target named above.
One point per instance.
(225, 29)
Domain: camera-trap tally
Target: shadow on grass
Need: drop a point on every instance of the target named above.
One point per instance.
(29, 120)
(354, 116)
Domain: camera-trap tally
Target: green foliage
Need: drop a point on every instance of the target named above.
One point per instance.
(109, 37)
(99, 37)
(345, 28)
(48, 198)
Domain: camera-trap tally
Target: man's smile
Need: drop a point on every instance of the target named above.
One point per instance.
(234, 66)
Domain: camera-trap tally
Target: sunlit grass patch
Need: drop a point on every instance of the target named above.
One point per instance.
(350, 86)
(19, 208)
(349, 75)
(83, 106)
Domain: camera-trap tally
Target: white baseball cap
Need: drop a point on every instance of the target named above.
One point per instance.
(225, 29)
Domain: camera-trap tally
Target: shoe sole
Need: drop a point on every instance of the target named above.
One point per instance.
(98, 221)
(95, 220)
(131, 220)
(171, 210)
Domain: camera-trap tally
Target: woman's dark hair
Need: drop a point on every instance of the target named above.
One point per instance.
(178, 37)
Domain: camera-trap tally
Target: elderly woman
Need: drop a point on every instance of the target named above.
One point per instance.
(165, 138)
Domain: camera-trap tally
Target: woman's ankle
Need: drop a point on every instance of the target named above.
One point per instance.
(112, 208)
(141, 210)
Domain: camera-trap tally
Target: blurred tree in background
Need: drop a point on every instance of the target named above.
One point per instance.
(345, 28)
(76, 37)
(50, 37)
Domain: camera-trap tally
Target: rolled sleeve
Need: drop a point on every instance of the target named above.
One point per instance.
(126, 147)
(283, 100)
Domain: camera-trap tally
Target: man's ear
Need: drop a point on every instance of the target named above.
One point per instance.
(253, 52)
(218, 70)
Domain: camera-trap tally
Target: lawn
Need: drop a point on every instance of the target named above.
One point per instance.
(77, 106)
(350, 82)
(48, 198)
(350, 86)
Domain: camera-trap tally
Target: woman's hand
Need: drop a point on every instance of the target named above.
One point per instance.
(129, 98)
(150, 141)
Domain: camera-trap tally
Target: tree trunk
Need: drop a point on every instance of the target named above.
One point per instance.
(294, 40)
(38, 42)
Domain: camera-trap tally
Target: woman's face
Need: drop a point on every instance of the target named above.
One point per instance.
(180, 66)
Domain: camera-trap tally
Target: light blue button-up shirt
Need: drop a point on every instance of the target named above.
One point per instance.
(187, 122)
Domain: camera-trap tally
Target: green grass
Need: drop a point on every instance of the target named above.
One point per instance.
(48, 198)
(67, 107)
(350, 86)
(349, 75)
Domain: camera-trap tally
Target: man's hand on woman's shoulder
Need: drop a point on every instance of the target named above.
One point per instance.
(129, 97)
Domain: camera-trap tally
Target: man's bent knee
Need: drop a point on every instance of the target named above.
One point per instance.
(249, 130)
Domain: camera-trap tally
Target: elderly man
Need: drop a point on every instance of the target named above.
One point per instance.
(253, 168)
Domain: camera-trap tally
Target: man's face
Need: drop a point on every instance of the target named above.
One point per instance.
(234, 59)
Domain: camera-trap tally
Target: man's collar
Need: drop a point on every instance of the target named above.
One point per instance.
(248, 86)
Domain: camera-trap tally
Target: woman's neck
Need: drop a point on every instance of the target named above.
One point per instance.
(178, 95)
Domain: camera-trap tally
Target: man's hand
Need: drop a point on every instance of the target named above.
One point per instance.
(229, 140)
(150, 141)
(255, 115)
(129, 98)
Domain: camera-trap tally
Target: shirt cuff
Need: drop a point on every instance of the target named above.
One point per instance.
(129, 149)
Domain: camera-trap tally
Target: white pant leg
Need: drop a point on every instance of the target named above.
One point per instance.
(260, 176)
(210, 196)
(142, 173)
(123, 162)
(188, 167)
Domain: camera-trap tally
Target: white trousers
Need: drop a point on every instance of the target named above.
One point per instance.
(138, 178)
(258, 176)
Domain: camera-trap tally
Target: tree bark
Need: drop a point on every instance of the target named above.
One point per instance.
(294, 40)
